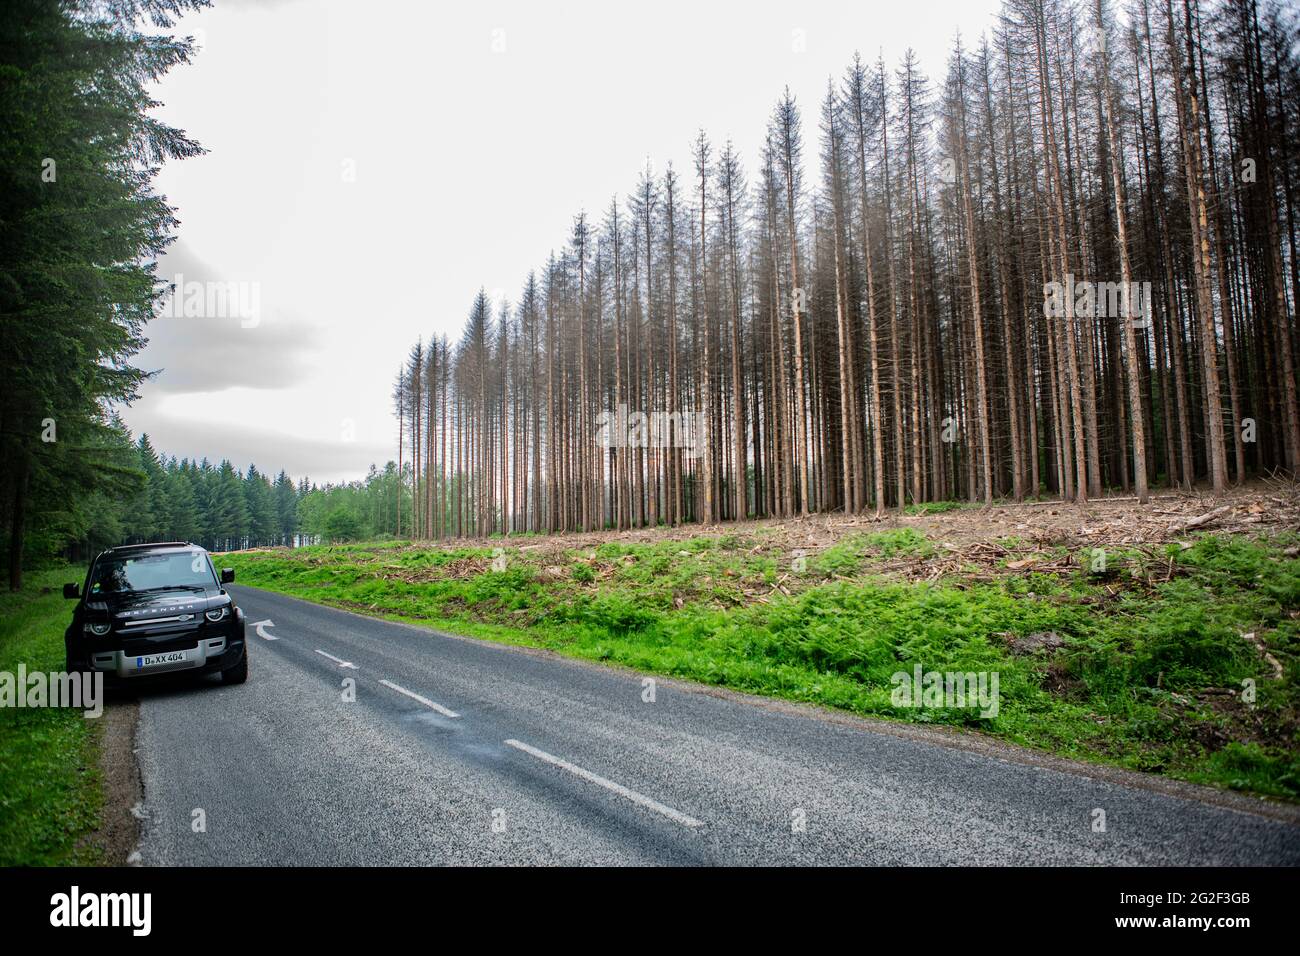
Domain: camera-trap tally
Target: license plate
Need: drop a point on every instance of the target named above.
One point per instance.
(156, 660)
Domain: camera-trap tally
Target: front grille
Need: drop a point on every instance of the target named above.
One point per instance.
(152, 622)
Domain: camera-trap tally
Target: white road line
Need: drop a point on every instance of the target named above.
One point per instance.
(675, 815)
(423, 700)
(336, 660)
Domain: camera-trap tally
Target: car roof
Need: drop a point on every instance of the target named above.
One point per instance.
(151, 546)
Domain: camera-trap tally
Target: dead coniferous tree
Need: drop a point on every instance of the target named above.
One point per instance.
(884, 334)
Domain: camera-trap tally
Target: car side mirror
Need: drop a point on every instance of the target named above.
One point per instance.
(72, 591)
(227, 575)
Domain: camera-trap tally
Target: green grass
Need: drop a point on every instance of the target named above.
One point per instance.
(936, 507)
(50, 789)
(1147, 675)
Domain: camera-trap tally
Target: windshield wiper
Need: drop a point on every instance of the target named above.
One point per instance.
(173, 587)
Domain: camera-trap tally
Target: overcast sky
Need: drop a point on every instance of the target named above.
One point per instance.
(372, 164)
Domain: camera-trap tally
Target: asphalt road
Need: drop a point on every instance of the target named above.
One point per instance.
(462, 752)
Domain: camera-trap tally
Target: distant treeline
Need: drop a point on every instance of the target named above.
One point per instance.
(157, 497)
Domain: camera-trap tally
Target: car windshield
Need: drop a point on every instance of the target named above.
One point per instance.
(151, 572)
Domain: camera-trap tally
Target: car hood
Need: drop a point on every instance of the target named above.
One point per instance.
(147, 605)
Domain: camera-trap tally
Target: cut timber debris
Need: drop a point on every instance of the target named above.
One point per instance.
(1199, 521)
(1264, 652)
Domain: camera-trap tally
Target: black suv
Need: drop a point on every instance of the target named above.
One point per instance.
(156, 609)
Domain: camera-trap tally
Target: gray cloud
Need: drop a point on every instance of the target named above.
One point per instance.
(204, 354)
(320, 460)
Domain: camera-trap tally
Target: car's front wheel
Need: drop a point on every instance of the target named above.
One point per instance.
(237, 674)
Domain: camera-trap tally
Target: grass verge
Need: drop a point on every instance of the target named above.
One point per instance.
(1181, 662)
(50, 788)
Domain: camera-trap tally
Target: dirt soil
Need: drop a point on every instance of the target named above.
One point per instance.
(972, 542)
(1265, 507)
(119, 827)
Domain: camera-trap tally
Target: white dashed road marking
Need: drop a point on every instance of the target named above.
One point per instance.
(336, 660)
(640, 799)
(423, 700)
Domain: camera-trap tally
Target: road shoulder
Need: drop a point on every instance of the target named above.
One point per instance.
(118, 833)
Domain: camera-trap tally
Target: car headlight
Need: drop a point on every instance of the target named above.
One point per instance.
(99, 629)
(217, 614)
